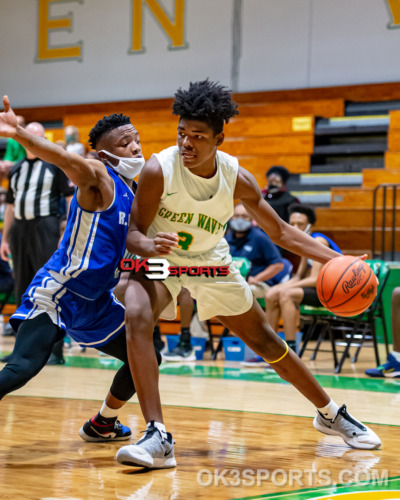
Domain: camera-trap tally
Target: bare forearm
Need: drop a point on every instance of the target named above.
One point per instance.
(44, 149)
(139, 244)
(300, 243)
(269, 272)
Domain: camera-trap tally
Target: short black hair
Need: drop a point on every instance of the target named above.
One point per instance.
(106, 124)
(283, 172)
(308, 211)
(207, 102)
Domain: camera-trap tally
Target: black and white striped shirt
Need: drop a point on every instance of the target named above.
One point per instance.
(35, 189)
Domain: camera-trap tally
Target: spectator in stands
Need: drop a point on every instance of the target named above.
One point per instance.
(73, 142)
(267, 269)
(32, 216)
(283, 301)
(245, 240)
(391, 369)
(14, 152)
(276, 194)
(184, 350)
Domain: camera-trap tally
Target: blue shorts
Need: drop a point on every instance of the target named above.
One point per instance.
(91, 323)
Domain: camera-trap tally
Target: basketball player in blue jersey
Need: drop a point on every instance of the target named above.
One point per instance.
(72, 293)
(183, 202)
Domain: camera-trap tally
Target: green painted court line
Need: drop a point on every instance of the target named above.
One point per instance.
(249, 375)
(252, 375)
(393, 484)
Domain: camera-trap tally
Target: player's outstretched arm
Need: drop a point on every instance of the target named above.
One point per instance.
(279, 231)
(144, 209)
(81, 172)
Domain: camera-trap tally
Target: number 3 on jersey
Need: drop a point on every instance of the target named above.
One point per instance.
(185, 240)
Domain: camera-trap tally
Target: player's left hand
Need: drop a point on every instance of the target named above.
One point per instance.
(8, 120)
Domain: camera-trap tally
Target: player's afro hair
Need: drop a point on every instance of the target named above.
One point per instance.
(106, 124)
(207, 102)
(308, 211)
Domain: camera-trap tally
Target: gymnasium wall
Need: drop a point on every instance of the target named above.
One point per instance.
(82, 51)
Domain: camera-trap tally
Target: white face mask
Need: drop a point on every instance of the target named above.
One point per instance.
(127, 167)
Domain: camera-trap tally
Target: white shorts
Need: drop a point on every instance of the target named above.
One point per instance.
(260, 289)
(215, 296)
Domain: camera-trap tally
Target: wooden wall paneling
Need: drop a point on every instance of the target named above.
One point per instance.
(372, 177)
(352, 217)
(244, 126)
(326, 108)
(269, 146)
(359, 197)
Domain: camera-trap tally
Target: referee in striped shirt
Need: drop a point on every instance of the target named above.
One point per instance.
(32, 219)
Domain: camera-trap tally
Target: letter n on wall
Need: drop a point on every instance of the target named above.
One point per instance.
(174, 28)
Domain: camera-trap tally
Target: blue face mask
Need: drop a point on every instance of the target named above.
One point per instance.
(240, 225)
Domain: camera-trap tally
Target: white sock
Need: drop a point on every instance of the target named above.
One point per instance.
(160, 427)
(396, 354)
(330, 410)
(107, 412)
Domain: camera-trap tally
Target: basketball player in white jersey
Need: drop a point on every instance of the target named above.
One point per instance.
(184, 200)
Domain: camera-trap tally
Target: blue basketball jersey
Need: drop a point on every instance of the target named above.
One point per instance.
(87, 259)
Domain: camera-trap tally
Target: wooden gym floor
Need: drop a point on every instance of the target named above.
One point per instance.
(240, 433)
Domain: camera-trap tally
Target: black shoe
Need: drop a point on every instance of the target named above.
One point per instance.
(94, 432)
(8, 331)
(182, 352)
(55, 360)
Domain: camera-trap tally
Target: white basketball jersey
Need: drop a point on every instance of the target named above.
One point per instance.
(200, 223)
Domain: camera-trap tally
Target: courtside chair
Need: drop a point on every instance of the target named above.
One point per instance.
(363, 326)
(317, 319)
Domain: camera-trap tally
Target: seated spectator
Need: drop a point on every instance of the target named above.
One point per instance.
(283, 301)
(276, 194)
(391, 369)
(72, 140)
(245, 240)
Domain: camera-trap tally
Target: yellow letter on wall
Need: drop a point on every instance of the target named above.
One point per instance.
(173, 28)
(47, 24)
(394, 8)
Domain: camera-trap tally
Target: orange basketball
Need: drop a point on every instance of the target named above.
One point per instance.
(346, 286)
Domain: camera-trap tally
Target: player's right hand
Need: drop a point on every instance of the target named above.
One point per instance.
(8, 120)
(164, 243)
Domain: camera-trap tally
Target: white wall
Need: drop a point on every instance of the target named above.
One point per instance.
(284, 44)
